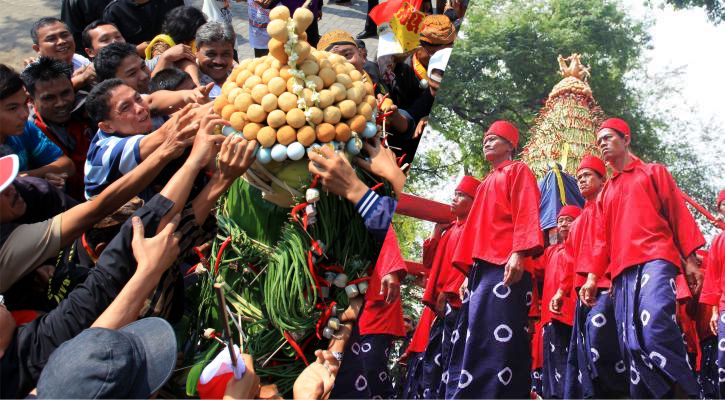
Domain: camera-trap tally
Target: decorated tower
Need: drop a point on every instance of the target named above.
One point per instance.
(564, 130)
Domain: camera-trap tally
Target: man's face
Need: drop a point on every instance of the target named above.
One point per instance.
(129, 113)
(589, 182)
(215, 59)
(134, 73)
(611, 144)
(433, 86)
(351, 54)
(461, 205)
(102, 36)
(426, 51)
(12, 205)
(495, 147)
(14, 113)
(563, 224)
(54, 100)
(55, 41)
(721, 208)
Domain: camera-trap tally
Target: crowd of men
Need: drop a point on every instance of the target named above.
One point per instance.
(616, 307)
(110, 172)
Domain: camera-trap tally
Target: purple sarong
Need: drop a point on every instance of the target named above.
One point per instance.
(707, 377)
(412, 388)
(364, 371)
(496, 356)
(650, 339)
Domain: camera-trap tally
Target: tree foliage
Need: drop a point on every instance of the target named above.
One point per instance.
(715, 8)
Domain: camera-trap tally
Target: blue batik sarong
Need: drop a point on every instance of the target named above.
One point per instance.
(708, 376)
(432, 366)
(650, 339)
(557, 336)
(496, 356)
(364, 372)
(450, 322)
(412, 388)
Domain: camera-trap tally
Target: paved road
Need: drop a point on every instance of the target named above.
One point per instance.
(17, 16)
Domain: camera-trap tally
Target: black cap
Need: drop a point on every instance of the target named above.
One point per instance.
(132, 362)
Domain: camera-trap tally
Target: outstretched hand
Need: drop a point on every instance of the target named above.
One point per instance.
(336, 174)
(382, 163)
(155, 254)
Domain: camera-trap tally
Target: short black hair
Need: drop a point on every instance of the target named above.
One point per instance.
(10, 82)
(109, 58)
(86, 36)
(167, 79)
(44, 69)
(360, 44)
(97, 102)
(182, 22)
(45, 21)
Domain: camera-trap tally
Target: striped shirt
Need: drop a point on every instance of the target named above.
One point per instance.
(109, 158)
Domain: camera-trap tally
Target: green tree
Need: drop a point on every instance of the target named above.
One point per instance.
(715, 8)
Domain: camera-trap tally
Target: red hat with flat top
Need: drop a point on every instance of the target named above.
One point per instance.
(8, 170)
(569, 211)
(720, 197)
(618, 125)
(468, 185)
(594, 163)
(505, 130)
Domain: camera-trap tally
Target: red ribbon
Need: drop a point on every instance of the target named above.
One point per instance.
(219, 254)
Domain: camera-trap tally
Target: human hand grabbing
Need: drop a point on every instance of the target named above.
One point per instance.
(206, 143)
(155, 255)
(235, 157)
(178, 52)
(57, 180)
(180, 131)
(317, 380)
(336, 174)
(248, 386)
(382, 163)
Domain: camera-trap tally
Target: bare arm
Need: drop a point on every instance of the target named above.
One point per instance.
(179, 125)
(165, 102)
(62, 165)
(154, 255)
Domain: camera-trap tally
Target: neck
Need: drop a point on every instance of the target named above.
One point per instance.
(622, 162)
(497, 162)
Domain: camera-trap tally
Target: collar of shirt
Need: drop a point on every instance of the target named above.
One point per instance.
(636, 161)
(504, 164)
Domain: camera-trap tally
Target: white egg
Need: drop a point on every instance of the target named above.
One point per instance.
(295, 151)
(279, 152)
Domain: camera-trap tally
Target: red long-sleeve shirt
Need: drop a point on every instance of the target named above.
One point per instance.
(419, 342)
(713, 287)
(551, 265)
(443, 278)
(579, 247)
(379, 317)
(643, 218)
(504, 218)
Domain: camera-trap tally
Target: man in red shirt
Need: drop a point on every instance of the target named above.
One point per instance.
(644, 233)
(441, 292)
(413, 357)
(364, 369)
(557, 325)
(501, 230)
(591, 372)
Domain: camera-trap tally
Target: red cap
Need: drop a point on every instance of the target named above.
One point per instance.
(569, 211)
(617, 124)
(505, 130)
(8, 170)
(720, 197)
(468, 185)
(594, 163)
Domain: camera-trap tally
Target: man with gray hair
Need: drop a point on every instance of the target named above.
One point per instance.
(215, 54)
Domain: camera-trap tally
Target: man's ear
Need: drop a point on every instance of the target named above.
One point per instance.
(90, 53)
(105, 126)
(36, 48)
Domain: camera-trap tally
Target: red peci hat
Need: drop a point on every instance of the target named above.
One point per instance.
(720, 197)
(569, 211)
(594, 163)
(617, 124)
(505, 130)
(468, 185)
(8, 170)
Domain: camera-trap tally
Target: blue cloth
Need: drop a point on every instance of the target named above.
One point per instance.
(412, 388)
(450, 321)
(364, 371)
(721, 355)
(33, 148)
(109, 158)
(650, 339)
(551, 199)
(537, 383)
(708, 377)
(496, 360)
(595, 367)
(556, 343)
(432, 366)
(377, 212)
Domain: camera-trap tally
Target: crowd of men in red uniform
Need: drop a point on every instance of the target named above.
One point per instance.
(617, 307)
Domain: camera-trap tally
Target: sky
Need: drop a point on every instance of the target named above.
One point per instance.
(680, 38)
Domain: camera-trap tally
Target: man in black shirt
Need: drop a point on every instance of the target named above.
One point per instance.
(139, 20)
